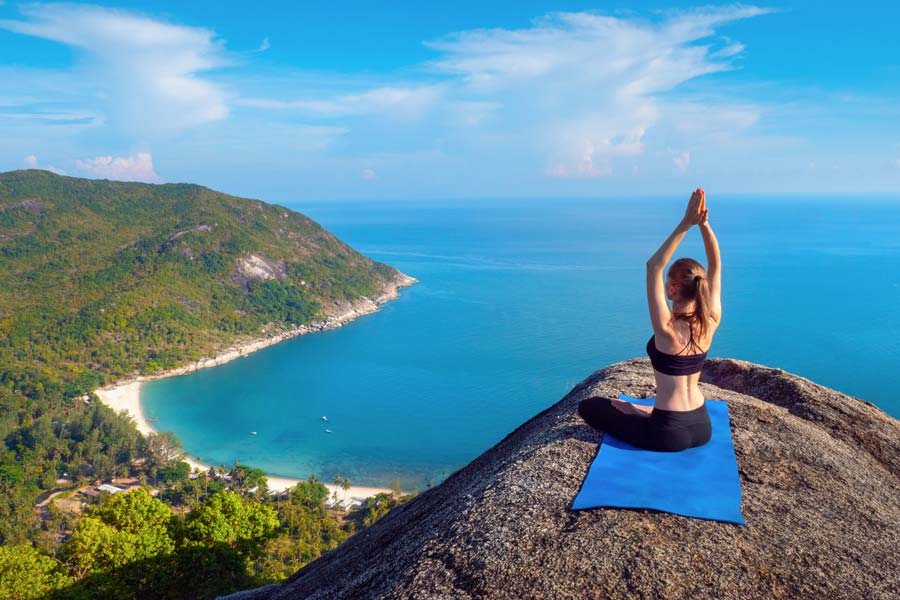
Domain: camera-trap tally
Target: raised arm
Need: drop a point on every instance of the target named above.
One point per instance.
(660, 314)
(714, 268)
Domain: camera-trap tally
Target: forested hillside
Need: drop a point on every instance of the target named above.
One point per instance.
(104, 279)
(101, 278)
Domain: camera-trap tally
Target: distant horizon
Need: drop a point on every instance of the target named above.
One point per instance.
(471, 101)
(673, 196)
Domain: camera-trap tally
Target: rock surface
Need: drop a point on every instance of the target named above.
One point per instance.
(254, 267)
(821, 495)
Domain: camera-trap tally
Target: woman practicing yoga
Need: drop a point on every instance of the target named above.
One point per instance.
(679, 419)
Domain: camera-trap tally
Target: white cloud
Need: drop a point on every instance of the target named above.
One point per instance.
(138, 167)
(706, 117)
(570, 96)
(584, 167)
(681, 161)
(368, 174)
(53, 117)
(148, 70)
(732, 49)
(400, 101)
(31, 161)
(583, 87)
(471, 114)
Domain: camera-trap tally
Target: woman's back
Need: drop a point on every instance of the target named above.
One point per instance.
(679, 341)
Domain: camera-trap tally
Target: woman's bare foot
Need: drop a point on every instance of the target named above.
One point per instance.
(644, 409)
(632, 409)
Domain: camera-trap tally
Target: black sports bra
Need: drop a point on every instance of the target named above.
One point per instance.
(675, 364)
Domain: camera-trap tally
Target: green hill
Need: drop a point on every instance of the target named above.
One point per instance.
(103, 279)
(99, 279)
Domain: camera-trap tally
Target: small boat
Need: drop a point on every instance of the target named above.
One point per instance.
(252, 433)
(325, 419)
(327, 431)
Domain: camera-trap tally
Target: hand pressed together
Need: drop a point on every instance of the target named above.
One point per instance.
(696, 212)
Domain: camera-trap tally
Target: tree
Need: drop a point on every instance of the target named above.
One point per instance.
(227, 519)
(310, 494)
(134, 511)
(161, 449)
(25, 573)
(95, 547)
(376, 507)
(175, 472)
(132, 546)
(128, 527)
(246, 478)
(395, 487)
(337, 481)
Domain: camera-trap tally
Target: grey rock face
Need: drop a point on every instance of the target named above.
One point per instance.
(254, 267)
(821, 495)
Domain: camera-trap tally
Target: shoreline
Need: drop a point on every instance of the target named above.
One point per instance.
(125, 395)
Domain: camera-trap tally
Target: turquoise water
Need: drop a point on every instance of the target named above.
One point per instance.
(518, 302)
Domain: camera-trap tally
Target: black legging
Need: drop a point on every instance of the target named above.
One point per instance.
(662, 430)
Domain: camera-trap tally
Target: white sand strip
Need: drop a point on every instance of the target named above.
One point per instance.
(126, 397)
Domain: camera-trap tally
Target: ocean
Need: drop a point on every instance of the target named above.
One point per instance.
(518, 301)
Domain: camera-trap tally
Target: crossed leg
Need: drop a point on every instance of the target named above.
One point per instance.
(600, 414)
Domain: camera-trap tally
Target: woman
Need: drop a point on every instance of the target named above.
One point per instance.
(681, 339)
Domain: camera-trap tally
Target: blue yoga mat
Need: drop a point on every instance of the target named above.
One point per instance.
(700, 482)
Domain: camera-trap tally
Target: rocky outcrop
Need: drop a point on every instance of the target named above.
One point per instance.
(199, 228)
(255, 267)
(32, 205)
(821, 495)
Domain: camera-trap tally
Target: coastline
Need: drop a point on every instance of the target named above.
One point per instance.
(126, 394)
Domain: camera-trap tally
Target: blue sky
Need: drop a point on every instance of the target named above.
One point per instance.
(295, 102)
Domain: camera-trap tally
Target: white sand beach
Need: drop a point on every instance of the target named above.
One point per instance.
(126, 395)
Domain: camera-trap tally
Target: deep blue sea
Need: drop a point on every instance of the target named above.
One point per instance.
(518, 301)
